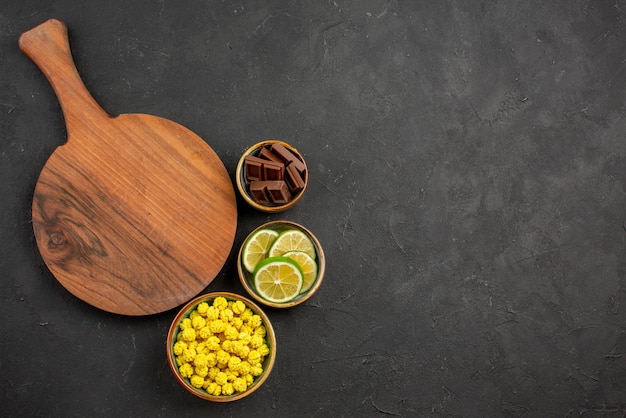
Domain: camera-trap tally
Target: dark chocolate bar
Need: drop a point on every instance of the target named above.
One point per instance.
(275, 191)
(266, 154)
(293, 179)
(288, 157)
(254, 168)
(273, 170)
(279, 192)
(258, 190)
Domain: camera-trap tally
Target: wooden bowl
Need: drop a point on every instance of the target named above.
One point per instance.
(243, 186)
(247, 279)
(174, 330)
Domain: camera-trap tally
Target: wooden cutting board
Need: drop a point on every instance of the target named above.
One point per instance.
(134, 214)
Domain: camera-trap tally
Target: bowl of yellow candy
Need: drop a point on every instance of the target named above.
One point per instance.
(221, 347)
(281, 264)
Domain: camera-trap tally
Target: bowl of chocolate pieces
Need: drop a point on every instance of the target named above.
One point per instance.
(271, 176)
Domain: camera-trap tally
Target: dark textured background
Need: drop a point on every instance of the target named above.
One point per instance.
(468, 164)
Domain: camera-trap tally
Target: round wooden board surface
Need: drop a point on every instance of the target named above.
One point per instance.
(137, 222)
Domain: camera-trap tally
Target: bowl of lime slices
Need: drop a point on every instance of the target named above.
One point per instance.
(281, 264)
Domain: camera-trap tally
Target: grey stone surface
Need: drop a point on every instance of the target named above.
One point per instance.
(468, 167)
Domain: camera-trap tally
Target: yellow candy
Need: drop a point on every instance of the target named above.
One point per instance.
(231, 333)
(202, 371)
(238, 307)
(226, 315)
(227, 346)
(244, 337)
(212, 374)
(211, 360)
(222, 358)
(233, 363)
(254, 357)
(202, 308)
(197, 381)
(264, 350)
(216, 326)
(188, 355)
(236, 322)
(213, 343)
(247, 329)
(243, 351)
(201, 348)
(220, 303)
(260, 331)
(256, 371)
(212, 313)
(198, 322)
(204, 333)
(235, 347)
(240, 384)
(228, 389)
(214, 389)
(243, 368)
(188, 334)
(185, 323)
(255, 321)
(221, 378)
(256, 341)
(246, 314)
(200, 360)
(179, 347)
(186, 370)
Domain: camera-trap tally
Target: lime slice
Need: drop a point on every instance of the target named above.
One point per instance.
(278, 279)
(292, 240)
(308, 266)
(256, 247)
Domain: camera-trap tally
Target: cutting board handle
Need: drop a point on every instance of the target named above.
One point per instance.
(47, 45)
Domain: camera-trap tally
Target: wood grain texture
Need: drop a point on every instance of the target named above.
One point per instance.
(134, 214)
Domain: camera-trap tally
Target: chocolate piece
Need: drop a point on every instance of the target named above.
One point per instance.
(288, 157)
(273, 171)
(293, 179)
(265, 192)
(258, 190)
(279, 192)
(254, 168)
(266, 154)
